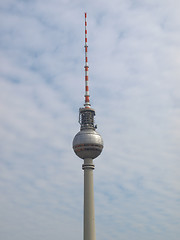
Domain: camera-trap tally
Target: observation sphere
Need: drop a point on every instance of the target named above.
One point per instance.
(87, 143)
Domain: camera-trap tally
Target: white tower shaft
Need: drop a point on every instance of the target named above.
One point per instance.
(89, 212)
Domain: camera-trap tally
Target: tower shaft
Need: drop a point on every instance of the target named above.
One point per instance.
(89, 212)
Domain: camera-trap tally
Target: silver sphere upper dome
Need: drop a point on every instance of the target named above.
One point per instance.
(87, 143)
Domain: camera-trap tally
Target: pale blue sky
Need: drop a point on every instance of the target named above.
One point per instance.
(134, 49)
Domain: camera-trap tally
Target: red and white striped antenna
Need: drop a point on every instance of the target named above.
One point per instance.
(87, 103)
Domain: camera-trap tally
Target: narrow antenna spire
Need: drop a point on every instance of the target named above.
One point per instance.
(87, 103)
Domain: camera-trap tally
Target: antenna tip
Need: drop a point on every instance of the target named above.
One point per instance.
(85, 14)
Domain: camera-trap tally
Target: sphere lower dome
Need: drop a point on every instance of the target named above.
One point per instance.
(87, 144)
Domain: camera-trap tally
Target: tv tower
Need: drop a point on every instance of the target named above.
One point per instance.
(88, 144)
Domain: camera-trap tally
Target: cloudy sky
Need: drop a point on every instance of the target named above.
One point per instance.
(134, 49)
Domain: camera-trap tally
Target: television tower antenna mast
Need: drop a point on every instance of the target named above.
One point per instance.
(87, 104)
(88, 145)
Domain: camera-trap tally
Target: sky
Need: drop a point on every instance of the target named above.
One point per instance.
(134, 79)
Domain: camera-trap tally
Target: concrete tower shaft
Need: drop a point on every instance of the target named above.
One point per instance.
(89, 211)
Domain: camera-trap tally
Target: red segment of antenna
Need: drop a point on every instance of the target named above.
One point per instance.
(87, 104)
